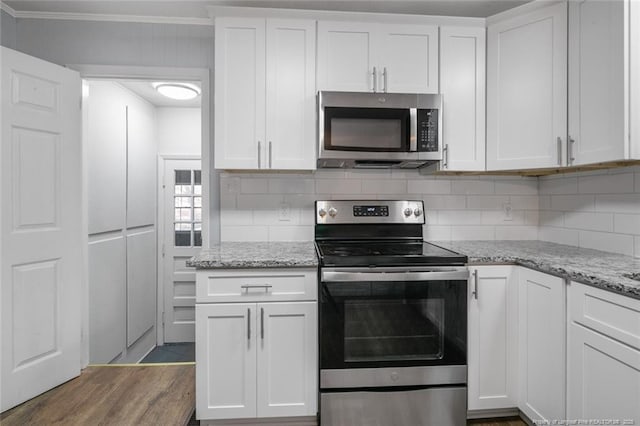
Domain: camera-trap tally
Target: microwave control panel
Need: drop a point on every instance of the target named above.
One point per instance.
(428, 130)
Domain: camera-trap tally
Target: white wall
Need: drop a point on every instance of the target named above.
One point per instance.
(457, 208)
(599, 210)
(7, 30)
(178, 131)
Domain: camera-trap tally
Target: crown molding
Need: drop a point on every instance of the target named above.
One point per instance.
(11, 11)
(107, 17)
(259, 12)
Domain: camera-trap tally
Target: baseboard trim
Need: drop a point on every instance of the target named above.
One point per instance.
(488, 414)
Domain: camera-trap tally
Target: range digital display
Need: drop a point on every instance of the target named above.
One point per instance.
(371, 210)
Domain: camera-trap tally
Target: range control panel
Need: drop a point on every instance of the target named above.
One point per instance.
(427, 130)
(371, 210)
(374, 211)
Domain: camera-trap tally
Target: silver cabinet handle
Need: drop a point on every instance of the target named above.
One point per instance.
(259, 150)
(475, 284)
(246, 287)
(384, 79)
(262, 323)
(375, 80)
(570, 157)
(270, 159)
(445, 156)
(249, 324)
(559, 141)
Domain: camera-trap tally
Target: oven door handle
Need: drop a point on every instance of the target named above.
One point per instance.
(461, 274)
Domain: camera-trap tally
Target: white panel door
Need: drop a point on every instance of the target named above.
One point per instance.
(239, 93)
(527, 90)
(541, 345)
(226, 361)
(287, 335)
(40, 227)
(141, 283)
(291, 94)
(597, 86)
(603, 377)
(107, 298)
(181, 239)
(106, 156)
(493, 338)
(345, 57)
(408, 58)
(141, 163)
(462, 85)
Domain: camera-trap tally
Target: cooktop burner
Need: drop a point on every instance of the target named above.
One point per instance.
(385, 253)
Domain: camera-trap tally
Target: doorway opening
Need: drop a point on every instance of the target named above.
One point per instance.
(145, 198)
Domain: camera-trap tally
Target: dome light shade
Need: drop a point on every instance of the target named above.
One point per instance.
(179, 91)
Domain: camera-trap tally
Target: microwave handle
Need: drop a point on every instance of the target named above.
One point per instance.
(413, 135)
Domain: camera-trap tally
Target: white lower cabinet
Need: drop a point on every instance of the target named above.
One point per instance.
(256, 360)
(603, 356)
(492, 346)
(541, 345)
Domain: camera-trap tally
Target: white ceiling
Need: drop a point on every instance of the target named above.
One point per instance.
(146, 91)
(197, 9)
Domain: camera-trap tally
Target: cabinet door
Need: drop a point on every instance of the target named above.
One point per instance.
(226, 361)
(597, 81)
(462, 85)
(407, 57)
(287, 359)
(345, 60)
(492, 328)
(541, 335)
(291, 94)
(239, 93)
(527, 90)
(604, 378)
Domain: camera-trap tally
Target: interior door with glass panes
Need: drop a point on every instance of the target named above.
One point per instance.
(182, 217)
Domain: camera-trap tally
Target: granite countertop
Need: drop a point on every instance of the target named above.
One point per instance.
(609, 271)
(257, 255)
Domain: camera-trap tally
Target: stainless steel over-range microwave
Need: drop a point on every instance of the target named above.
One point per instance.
(378, 130)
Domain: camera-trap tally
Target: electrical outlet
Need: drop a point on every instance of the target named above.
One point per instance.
(507, 211)
(284, 212)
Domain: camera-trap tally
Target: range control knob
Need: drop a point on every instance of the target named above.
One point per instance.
(408, 212)
(322, 212)
(332, 212)
(417, 212)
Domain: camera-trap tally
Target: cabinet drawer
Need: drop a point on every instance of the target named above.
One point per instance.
(609, 313)
(256, 285)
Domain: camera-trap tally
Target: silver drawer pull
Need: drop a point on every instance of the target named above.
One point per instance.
(246, 287)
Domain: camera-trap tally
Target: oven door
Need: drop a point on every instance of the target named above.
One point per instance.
(386, 318)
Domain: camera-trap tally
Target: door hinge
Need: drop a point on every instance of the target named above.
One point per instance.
(163, 250)
(163, 319)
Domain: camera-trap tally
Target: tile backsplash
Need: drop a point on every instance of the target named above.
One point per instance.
(599, 210)
(279, 207)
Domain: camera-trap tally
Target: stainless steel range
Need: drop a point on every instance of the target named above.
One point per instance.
(393, 318)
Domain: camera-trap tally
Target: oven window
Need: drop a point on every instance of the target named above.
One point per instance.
(393, 330)
(366, 129)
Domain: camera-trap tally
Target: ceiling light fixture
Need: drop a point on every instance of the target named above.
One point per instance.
(179, 91)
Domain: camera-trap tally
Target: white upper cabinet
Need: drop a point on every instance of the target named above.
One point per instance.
(462, 85)
(527, 90)
(264, 94)
(599, 81)
(366, 57)
(239, 92)
(291, 94)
